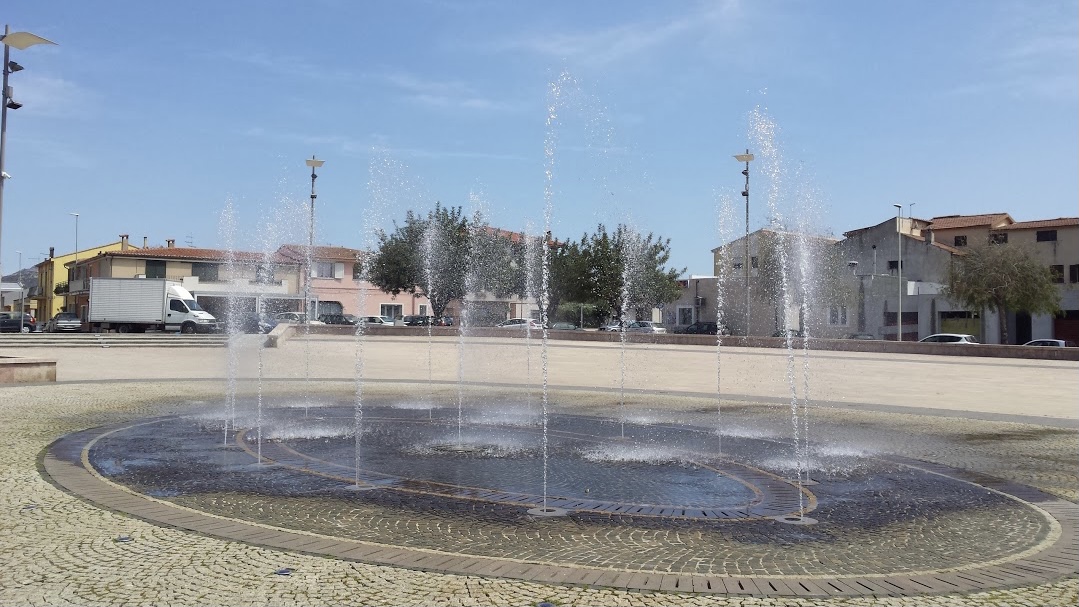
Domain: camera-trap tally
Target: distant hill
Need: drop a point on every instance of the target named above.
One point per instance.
(28, 277)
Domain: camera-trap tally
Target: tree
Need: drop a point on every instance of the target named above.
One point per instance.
(1002, 278)
(427, 255)
(623, 271)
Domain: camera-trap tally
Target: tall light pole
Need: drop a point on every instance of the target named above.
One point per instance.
(71, 278)
(745, 262)
(899, 237)
(22, 303)
(314, 163)
(21, 41)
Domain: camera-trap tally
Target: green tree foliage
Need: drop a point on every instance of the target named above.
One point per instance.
(427, 255)
(1002, 278)
(625, 267)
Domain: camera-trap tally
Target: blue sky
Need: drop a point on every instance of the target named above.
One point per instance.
(149, 117)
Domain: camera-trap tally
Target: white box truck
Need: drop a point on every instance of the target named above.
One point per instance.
(139, 304)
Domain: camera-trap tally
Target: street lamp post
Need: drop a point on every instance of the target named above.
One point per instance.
(74, 268)
(21, 41)
(314, 163)
(22, 303)
(745, 262)
(899, 237)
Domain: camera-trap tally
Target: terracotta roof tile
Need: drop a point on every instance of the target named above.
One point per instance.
(991, 220)
(298, 253)
(192, 253)
(1059, 222)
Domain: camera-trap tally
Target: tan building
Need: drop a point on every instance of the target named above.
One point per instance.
(224, 282)
(56, 272)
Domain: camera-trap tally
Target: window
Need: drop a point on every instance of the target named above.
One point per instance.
(837, 316)
(1073, 273)
(357, 271)
(960, 241)
(423, 309)
(155, 268)
(1047, 235)
(893, 266)
(1057, 272)
(998, 238)
(737, 265)
(177, 306)
(685, 315)
(264, 274)
(753, 262)
(206, 272)
(323, 269)
(391, 310)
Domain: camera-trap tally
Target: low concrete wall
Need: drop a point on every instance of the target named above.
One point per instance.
(282, 332)
(26, 370)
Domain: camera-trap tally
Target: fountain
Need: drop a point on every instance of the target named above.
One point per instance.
(463, 476)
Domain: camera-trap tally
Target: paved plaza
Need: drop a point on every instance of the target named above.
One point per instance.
(1010, 425)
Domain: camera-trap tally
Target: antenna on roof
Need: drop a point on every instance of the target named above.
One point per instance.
(190, 240)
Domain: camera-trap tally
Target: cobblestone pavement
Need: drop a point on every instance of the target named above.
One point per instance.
(57, 549)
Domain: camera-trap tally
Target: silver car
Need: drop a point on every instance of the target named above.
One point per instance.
(1051, 343)
(645, 326)
(64, 321)
(949, 338)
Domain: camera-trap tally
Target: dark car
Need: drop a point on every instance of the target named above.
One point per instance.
(706, 328)
(418, 321)
(795, 333)
(17, 322)
(339, 319)
(861, 336)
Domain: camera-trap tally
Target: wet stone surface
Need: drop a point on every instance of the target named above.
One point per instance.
(875, 516)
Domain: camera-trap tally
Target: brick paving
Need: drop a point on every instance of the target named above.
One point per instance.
(59, 549)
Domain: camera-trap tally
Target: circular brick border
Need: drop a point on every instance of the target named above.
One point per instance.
(65, 463)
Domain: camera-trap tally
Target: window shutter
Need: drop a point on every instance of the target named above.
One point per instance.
(338, 270)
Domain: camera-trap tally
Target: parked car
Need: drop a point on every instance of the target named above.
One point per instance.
(645, 326)
(1051, 343)
(706, 328)
(339, 319)
(795, 333)
(862, 336)
(294, 318)
(611, 326)
(373, 320)
(520, 323)
(64, 321)
(16, 322)
(563, 326)
(949, 338)
(418, 321)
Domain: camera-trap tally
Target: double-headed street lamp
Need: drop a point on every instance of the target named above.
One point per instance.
(314, 163)
(745, 262)
(21, 41)
(899, 237)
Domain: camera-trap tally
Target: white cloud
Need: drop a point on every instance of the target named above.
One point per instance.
(53, 97)
(620, 42)
(442, 94)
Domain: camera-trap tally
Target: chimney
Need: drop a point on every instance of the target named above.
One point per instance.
(170, 243)
(123, 242)
(52, 252)
(145, 241)
(930, 237)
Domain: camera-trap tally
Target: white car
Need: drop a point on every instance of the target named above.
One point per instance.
(949, 338)
(295, 318)
(521, 324)
(645, 326)
(1051, 343)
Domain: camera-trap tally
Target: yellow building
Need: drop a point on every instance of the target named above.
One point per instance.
(55, 271)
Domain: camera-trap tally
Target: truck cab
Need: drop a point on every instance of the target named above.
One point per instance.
(185, 314)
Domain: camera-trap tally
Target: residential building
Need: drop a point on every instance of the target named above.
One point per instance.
(924, 248)
(776, 259)
(54, 277)
(336, 286)
(223, 282)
